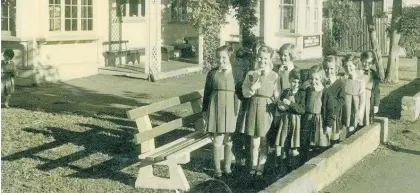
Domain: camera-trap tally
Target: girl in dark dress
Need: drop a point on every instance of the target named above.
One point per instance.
(8, 74)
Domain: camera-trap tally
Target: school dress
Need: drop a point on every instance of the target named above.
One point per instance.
(243, 65)
(313, 120)
(290, 119)
(220, 102)
(372, 94)
(261, 104)
(8, 74)
(353, 92)
(333, 102)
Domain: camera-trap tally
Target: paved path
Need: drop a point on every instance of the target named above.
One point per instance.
(395, 168)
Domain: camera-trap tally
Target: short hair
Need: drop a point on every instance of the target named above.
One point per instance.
(265, 49)
(368, 54)
(315, 70)
(256, 46)
(295, 74)
(288, 47)
(226, 48)
(329, 59)
(351, 58)
(9, 53)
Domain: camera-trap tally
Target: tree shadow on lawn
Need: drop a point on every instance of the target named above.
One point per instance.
(390, 105)
(66, 98)
(113, 147)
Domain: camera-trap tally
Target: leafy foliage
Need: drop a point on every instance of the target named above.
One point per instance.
(208, 16)
(246, 16)
(410, 29)
(344, 16)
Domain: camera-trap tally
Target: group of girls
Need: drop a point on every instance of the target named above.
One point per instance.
(253, 107)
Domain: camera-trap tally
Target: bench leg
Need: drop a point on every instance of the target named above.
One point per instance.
(176, 181)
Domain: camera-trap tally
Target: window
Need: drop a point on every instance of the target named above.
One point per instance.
(287, 15)
(316, 17)
(8, 18)
(378, 7)
(308, 16)
(179, 11)
(77, 15)
(131, 8)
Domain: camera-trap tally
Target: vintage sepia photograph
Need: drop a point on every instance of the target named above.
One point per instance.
(210, 96)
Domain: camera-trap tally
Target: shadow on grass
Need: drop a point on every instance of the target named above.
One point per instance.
(391, 104)
(66, 98)
(113, 147)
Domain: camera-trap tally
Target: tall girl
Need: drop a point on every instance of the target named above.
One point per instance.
(219, 107)
(354, 94)
(260, 86)
(333, 98)
(372, 90)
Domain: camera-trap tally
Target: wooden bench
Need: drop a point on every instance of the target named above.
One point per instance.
(171, 154)
(130, 54)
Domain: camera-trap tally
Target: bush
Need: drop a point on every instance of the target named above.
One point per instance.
(410, 29)
(344, 21)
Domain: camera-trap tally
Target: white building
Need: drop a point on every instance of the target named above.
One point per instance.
(63, 39)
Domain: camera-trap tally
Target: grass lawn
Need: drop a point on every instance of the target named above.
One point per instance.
(73, 137)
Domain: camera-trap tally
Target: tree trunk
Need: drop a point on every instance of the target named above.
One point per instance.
(393, 58)
(373, 39)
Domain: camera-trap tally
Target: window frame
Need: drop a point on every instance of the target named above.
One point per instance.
(281, 7)
(315, 21)
(11, 15)
(125, 13)
(63, 17)
(180, 8)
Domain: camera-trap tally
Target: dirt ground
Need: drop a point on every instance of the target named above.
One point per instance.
(74, 136)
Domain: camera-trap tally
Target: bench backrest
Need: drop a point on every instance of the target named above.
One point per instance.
(145, 138)
(115, 45)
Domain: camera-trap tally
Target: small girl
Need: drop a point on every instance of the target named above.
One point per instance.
(8, 74)
(291, 106)
(353, 94)
(219, 108)
(260, 86)
(313, 131)
(372, 90)
(333, 98)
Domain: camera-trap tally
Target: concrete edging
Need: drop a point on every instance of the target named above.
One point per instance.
(320, 171)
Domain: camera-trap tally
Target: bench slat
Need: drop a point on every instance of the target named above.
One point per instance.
(168, 145)
(167, 127)
(198, 144)
(184, 146)
(152, 108)
(164, 152)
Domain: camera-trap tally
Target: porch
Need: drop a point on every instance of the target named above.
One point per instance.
(169, 69)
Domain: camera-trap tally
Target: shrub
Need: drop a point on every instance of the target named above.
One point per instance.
(410, 29)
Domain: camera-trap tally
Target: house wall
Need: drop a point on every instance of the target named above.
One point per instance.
(274, 37)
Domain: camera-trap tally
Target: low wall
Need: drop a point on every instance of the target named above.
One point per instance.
(320, 171)
(410, 107)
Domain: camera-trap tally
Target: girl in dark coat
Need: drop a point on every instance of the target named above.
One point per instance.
(333, 99)
(291, 106)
